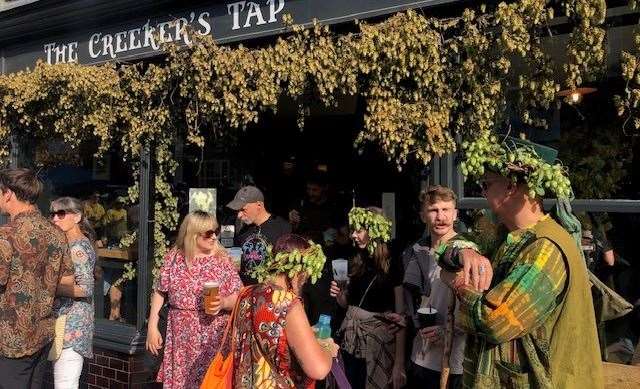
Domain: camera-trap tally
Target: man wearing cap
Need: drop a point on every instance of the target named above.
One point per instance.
(533, 324)
(260, 229)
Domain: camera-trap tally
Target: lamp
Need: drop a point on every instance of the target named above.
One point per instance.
(574, 96)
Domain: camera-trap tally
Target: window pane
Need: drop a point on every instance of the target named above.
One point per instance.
(101, 185)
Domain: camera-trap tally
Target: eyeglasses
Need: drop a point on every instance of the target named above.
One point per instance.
(59, 213)
(209, 234)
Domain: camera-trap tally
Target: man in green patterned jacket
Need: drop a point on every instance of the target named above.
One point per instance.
(534, 325)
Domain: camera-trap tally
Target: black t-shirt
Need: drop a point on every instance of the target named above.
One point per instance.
(380, 297)
(254, 240)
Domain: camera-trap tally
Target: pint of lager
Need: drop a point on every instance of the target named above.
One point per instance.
(210, 293)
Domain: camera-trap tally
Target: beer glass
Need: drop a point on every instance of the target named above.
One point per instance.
(210, 293)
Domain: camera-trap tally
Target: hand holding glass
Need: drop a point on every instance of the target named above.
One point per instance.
(211, 299)
(340, 272)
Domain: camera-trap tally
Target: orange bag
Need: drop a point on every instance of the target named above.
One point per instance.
(220, 373)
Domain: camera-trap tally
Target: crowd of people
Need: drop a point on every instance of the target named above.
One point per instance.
(508, 307)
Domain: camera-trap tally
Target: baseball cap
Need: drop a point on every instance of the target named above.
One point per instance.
(246, 195)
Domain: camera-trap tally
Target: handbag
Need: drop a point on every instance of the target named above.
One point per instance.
(219, 375)
(58, 338)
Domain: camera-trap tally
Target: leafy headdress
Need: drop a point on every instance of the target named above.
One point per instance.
(520, 160)
(524, 162)
(310, 261)
(377, 226)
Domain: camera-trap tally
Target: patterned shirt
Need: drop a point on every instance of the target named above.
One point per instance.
(263, 359)
(78, 332)
(34, 255)
(529, 282)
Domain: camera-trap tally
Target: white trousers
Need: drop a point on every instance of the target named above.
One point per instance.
(67, 369)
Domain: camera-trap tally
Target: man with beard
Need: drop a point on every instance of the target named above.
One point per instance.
(260, 229)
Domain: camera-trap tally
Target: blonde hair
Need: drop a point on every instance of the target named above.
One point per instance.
(195, 223)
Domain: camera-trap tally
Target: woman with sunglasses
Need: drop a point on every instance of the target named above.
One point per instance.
(193, 334)
(77, 305)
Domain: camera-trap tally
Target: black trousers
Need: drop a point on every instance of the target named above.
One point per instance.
(26, 372)
(422, 378)
(356, 370)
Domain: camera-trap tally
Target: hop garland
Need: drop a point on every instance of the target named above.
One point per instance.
(377, 226)
(310, 261)
(516, 162)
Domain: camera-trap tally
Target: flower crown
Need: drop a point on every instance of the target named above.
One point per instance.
(377, 226)
(519, 161)
(310, 261)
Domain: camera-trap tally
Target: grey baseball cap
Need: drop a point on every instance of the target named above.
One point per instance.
(246, 195)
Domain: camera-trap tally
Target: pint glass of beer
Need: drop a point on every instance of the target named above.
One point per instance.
(210, 293)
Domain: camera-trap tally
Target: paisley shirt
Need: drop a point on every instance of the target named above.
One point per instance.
(78, 332)
(33, 256)
(262, 358)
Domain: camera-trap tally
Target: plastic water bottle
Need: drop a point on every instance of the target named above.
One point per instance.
(323, 327)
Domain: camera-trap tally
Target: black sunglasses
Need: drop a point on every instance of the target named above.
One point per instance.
(60, 214)
(209, 234)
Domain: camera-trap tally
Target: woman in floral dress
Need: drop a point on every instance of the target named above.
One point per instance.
(192, 335)
(77, 305)
(274, 345)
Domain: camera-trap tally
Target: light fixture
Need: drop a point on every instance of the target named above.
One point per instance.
(574, 96)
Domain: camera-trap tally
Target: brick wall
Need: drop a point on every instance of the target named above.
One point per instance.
(113, 370)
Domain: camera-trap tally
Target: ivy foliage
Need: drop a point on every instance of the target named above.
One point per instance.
(425, 81)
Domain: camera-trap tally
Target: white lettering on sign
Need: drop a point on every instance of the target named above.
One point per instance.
(234, 9)
(202, 21)
(101, 46)
(252, 14)
(63, 53)
(272, 9)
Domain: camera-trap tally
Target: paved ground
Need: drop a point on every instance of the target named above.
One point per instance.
(618, 376)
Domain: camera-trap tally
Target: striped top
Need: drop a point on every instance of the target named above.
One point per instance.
(529, 283)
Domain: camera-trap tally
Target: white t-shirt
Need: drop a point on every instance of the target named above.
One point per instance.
(427, 354)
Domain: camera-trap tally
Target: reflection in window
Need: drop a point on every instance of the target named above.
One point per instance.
(102, 184)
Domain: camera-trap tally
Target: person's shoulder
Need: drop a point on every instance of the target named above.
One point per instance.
(280, 225)
(84, 245)
(53, 232)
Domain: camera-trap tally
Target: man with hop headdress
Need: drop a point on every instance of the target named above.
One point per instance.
(526, 304)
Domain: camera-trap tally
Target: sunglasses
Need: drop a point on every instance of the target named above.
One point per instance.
(485, 184)
(60, 214)
(209, 234)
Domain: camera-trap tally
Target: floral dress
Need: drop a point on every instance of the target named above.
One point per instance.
(192, 335)
(262, 358)
(78, 330)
